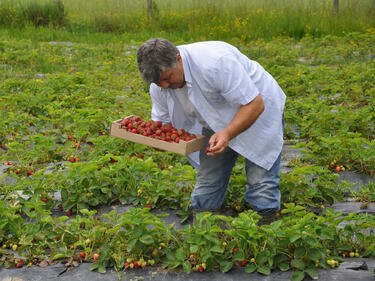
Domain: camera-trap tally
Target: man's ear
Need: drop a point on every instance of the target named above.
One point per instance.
(178, 56)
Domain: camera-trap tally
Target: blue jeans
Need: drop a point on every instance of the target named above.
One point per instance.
(262, 187)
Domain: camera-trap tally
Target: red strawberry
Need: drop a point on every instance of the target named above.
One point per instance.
(200, 268)
(44, 199)
(19, 263)
(243, 262)
(68, 213)
(29, 173)
(136, 265)
(82, 255)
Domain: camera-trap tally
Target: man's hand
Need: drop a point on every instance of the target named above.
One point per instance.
(243, 119)
(218, 143)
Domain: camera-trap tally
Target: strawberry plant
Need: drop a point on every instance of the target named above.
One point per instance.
(201, 246)
(312, 186)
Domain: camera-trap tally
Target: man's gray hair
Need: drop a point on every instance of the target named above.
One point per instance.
(154, 57)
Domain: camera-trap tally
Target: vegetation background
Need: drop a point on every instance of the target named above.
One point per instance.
(185, 20)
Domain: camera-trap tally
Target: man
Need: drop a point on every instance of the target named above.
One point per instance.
(213, 89)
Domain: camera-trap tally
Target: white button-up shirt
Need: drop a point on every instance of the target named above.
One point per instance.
(220, 79)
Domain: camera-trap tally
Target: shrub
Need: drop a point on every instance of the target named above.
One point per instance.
(46, 14)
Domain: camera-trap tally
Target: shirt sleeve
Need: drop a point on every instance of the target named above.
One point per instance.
(233, 82)
(159, 110)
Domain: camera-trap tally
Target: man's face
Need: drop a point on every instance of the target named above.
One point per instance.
(173, 78)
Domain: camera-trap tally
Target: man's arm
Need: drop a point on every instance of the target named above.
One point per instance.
(243, 119)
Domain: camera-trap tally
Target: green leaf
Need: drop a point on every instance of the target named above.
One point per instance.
(187, 267)
(58, 256)
(94, 266)
(114, 230)
(279, 258)
(81, 205)
(217, 249)
(206, 255)
(172, 264)
(261, 258)
(250, 268)
(225, 266)
(312, 241)
(299, 264)
(238, 256)
(64, 194)
(298, 275)
(264, 270)
(94, 201)
(311, 271)
(67, 205)
(180, 254)
(102, 269)
(299, 252)
(314, 254)
(295, 237)
(146, 239)
(284, 266)
(193, 249)
(131, 245)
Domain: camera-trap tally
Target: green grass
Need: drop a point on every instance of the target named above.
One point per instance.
(194, 20)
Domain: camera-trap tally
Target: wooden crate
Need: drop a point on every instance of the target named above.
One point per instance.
(182, 147)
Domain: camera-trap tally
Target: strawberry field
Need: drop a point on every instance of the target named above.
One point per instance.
(60, 167)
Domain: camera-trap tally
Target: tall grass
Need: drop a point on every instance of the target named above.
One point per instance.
(202, 19)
